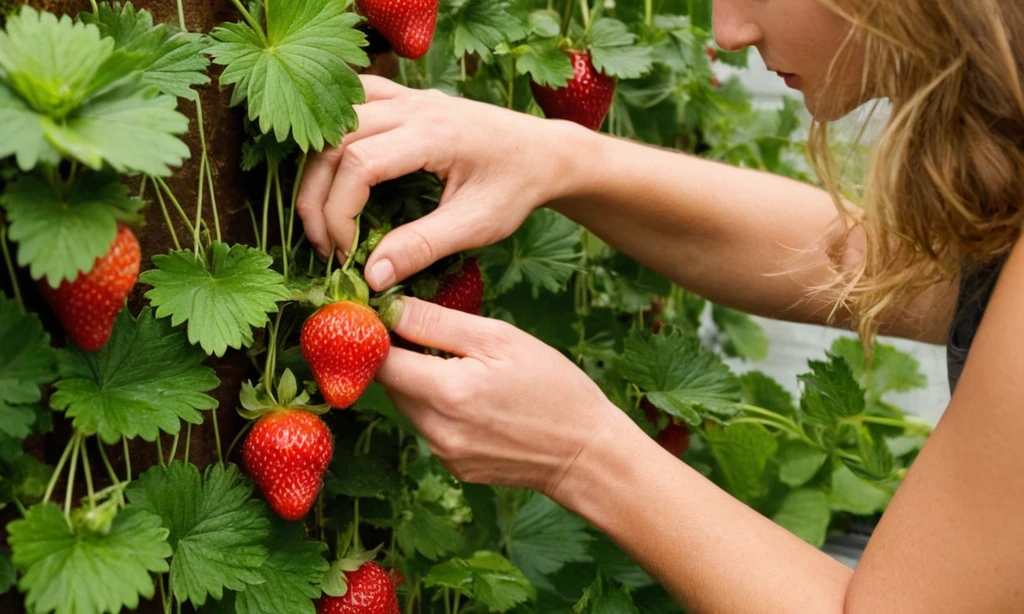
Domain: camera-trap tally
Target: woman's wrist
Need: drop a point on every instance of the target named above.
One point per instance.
(570, 158)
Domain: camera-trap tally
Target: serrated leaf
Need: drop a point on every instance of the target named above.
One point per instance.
(7, 574)
(799, 462)
(544, 536)
(741, 452)
(290, 577)
(17, 420)
(545, 252)
(77, 571)
(481, 25)
(427, 533)
(144, 380)
(171, 61)
(61, 233)
(27, 361)
(613, 52)
(891, 370)
(221, 301)
(545, 63)
(217, 530)
(762, 391)
(851, 493)
(830, 390)
(744, 338)
(295, 79)
(876, 460)
(545, 23)
(21, 132)
(805, 513)
(486, 577)
(680, 376)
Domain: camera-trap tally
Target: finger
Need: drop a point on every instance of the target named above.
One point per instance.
(448, 330)
(409, 373)
(413, 247)
(379, 88)
(365, 164)
(316, 185)
(377, 117)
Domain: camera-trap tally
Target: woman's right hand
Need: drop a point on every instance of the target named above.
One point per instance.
(497, 166)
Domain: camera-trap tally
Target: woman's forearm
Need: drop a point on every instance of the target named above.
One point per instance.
(709, 550)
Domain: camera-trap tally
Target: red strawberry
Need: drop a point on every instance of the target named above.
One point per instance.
(675, 437)
(88, 306)
(585, 100)
(344, 344)
(712, 53)
(462, 290)
(407, 24)
(287, 453)
(370, 591)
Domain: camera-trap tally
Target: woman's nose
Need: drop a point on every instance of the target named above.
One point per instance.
(733, 24)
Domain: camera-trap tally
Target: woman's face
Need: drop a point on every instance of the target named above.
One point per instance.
(797, 39)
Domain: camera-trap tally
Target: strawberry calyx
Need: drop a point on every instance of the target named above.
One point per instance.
(334, 583)
(257, 402)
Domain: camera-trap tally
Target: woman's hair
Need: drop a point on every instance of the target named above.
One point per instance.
(945, 187)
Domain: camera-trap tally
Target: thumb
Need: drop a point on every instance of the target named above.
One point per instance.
(448, 330)
(413, 247)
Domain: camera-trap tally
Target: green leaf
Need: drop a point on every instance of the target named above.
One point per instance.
(544, 536)
(612, 50)
(21, 132)
(744, 337)
(172, 61)
(7, 574)
(487, 577)
(296, 79)
(427, 533)
(222, 301)
(290, 577)
(545, 63)
(876, 460)
(891, 370)
(799, 462)
(545, 252)
(741, 452)
(362, 475)
(481, 25)
(144, 380)
(545, 23)
(73, 571)
(27, 361)
(599, 599)
(851, 493)
(17, 420)
(217, 530)
(679, 376)
(61, 234)
(830, 390)
(805, 513)
(762, 391)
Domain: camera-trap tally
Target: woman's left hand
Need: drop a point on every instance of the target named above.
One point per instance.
(507, 410)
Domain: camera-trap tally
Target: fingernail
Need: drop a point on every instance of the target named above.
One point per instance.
(382, 274)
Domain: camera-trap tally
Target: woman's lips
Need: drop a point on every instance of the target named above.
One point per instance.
(790, 79)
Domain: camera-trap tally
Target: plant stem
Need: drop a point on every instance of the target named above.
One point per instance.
(447, 602)
(458, 597)
(753, 409)
(56, 472)
(199, 205)
(355, 246)
(181, 16)
(295, 200)
(10, 267)
(127, 459)
(174, 201)
(209, 177)
(566, 17)
(71, 474)
(648, 13)
(160, 451)
(163, 594)
(174, 447)
(585, 8)
(285, 255)
(270, 368)
(110, 471)
(250, 20)
(95, 7)
(237, 438)
(216, 433)
(87, 469)
(512, 83)
(167, 219)
(271, 171)
(188, 441)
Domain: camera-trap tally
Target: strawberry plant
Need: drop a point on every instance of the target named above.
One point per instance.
(207, 437)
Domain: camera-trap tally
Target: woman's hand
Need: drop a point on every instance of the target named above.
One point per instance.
(497, 165)
(507, 410)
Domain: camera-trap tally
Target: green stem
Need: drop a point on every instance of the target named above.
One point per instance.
(213, 192)
(648, 13)
(174, 201)
(271, 171)
(205, 164)
(160, 451)
(188, 441)
(585, 8)
(295, 200)
(56, 472)
(512, 83)
(95, 7)
(181, 17)
(167, 220)
(447, 602)
(110, 470)
(199, 205)
(251, 21)
(355, 246)
(163, 593)
(216, 433)
(896, 422)
(127, 459)
(174, 447)
(458, 597)
(270, 368)
(285, 256)
(753, 409)
(71, 474)
(87, 468)
(10, 267)
(237, 438)
(566, 17)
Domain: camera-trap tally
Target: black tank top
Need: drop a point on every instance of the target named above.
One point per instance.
(975, 290)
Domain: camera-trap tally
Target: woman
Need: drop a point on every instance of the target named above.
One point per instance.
(942, 214)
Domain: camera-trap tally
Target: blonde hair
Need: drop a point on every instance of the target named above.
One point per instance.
(945, 187)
